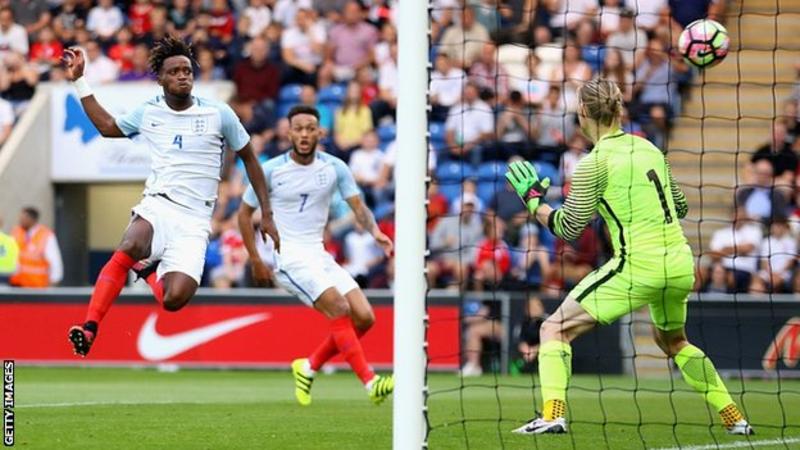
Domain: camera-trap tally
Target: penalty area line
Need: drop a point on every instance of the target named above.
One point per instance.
(741, 444)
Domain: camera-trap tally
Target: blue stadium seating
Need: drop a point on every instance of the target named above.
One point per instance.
(290, 93)
(492, 171)
(332, 94)
(438, 134)
(451, 191)
(387, 133)
(548, 170)
(454, 172)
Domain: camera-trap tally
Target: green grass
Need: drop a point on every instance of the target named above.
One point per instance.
(252, 410)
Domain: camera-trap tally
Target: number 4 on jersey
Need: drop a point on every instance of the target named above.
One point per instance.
(178, 141)
(653, 176)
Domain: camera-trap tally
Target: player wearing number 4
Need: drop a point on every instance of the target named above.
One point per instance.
(628, 181)
(301, 184)
(186, 136)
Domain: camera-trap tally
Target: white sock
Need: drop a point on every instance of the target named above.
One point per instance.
(307, 371)
(371, 382)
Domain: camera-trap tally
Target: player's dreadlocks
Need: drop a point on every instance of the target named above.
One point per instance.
(166, 48)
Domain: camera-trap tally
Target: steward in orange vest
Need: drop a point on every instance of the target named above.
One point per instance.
(34, 267)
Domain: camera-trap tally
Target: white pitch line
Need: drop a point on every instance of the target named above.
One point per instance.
(102, 403)
(741, 444)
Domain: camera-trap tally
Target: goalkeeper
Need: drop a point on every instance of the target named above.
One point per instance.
(628, 181)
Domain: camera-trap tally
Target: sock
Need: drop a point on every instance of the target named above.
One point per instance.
(730, 415)
(157, 286)
(699, 372)
(555, 367)
(344, 335)
(326, 351)
(108, 286)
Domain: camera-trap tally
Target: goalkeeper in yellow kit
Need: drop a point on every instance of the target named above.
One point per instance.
(628, 181)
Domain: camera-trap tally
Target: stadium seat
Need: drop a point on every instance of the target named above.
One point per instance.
(451, 191)
(387, 133)
(453, 172)
(548, 170)
(438, 133)
(290, 93)
(492, 171)
(283, 108)
(332, 94)
(487, 190)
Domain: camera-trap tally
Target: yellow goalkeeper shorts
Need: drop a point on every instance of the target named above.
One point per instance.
(611, 291)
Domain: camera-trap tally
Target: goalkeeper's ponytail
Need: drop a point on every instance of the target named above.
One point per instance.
(601, 100)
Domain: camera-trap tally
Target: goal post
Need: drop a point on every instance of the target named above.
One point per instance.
(410, 214)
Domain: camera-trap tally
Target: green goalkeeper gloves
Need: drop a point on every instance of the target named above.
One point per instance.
(522, 176)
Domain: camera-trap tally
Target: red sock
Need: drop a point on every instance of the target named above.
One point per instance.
(108, 286)
(157, 286)
(327, 350)
(344, 336)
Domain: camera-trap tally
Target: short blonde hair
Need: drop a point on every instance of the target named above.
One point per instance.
(601, 100)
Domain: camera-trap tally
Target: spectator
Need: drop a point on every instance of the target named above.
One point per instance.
(68, 20)
(534, 89)
(437, 206)
(308, 97)
(46, 52)
(362, 254)
(576, 151)
(350, 43)
(447, 85)
(234, 257)
(654, 84)
(384, 108)
(779, 152)
(737, 246)
(40, 263)
(207, 70)
(684, 12)
(534, 265)
(122, 51)
(627, 39)
(181, 19)
(614, 70)
(516, 127)
(99, 68)
(366, 80)
(482, 322)
(566, 15)
(19, 85)
(489, 75)
(463, 42)
(13, 37)
(586, 39)
(159, 26)
(6, 120)
(452, 244)
(571, 75)
(717, 280)
(505, 204)
(778, 255)
(257, 83)
(9, 256)
(647, 13)
(353, 119)
(573, 261)
(762, 200)
(470, 124)
(528, 346)
(105, 20)
(384, 46)
(284, 11)
(609, 16)
(139, 17)
(34, 15)
(493, 258)
(366, 164)
(258, 15)
(222, 23)
(555, 123)
(302, 47)
(279, 142)
(141, 69)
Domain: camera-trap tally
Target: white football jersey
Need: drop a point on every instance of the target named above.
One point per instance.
(301, 196)
(186, 148)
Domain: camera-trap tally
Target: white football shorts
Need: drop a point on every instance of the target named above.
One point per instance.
(307, 273)
(180, 237)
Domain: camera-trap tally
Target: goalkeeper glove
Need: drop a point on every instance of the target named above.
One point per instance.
(523, 178)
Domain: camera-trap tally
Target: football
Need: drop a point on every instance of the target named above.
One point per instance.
(704, 43)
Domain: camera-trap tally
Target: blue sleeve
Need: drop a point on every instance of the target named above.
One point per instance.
(129, 123)
(344, 180)
(232, 130)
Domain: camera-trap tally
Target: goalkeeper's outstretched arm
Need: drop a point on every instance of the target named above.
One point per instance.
(588, 184)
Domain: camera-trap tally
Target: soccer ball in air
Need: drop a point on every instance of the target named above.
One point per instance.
(704, 43)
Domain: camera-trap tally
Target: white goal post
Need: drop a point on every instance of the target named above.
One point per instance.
(410, 216)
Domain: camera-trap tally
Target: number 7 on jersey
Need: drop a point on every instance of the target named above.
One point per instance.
(304, 198)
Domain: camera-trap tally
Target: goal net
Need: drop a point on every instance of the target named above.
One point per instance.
(503, 79)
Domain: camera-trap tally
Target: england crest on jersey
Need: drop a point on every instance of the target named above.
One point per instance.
(199, 125)
(322, 179)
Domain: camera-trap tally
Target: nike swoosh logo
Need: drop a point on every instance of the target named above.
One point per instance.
(156, 347)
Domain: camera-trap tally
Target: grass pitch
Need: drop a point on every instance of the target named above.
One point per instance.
(124, 408)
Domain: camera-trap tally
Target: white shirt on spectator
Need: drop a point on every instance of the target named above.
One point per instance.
(470, 121)
(285, 10)
(260, 18)
(6, 113)
(388, 78)
(608, 19)
(780, 251)
(366, 164)
(646, 11)
(101, 70)
(628, 43)
(749, 233)
(448, 87)
(570, 12)
(105, 22)
(15, 39)
(300, 42)
(360, 249)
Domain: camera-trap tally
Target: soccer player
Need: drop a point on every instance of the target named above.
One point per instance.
(170, 226)
(302, 183)
(629, 182)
